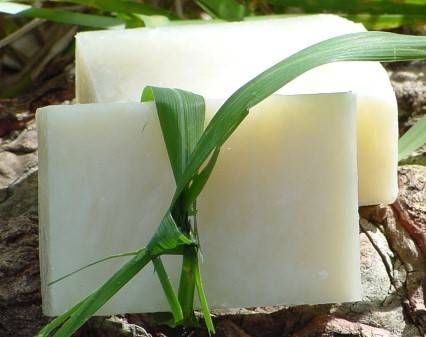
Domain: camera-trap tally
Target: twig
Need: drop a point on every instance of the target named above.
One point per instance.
(20, 32)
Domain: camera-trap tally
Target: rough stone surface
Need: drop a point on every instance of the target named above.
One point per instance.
(393, 241)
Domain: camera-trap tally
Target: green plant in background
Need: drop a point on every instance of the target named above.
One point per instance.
(193, 156)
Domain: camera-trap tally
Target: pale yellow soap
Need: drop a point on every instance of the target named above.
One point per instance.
(216, 59)
(278, 219)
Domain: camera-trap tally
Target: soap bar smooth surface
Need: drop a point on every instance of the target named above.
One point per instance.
(278, 218)
(216, 59)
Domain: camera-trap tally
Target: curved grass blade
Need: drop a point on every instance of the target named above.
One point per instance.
(168, 289)
(414, 138)
(181, 115)
(366, 46)
(92, 264)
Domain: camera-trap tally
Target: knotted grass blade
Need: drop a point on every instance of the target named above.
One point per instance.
(414, 138)
(181, 116)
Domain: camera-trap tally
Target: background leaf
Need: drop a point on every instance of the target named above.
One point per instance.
(62, 16)
(414, 138)
(229, 10)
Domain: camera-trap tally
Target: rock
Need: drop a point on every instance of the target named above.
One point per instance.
(409, 82)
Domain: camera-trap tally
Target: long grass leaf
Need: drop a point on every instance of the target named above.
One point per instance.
(366, 46)
(414, 138)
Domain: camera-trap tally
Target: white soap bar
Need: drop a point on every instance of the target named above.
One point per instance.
(278, 218)
(216, 59)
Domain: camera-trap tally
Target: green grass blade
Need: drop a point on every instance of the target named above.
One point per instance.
(89, 306)
(366, 46)
(92, 264)
(414, 138)
(61, 16)
(168, 289)
(230, 10)
(203, 300)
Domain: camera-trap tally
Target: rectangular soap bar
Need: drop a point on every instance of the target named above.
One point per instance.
(216, 59)
(278, 218)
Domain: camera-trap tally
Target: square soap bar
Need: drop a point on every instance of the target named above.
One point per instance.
(278, 218)
(216, 59)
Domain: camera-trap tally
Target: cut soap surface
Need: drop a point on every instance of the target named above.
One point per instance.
(216, 59)
(278, 219)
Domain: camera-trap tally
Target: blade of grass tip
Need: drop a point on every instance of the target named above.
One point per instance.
(366, 46)
(168, 289)
(92, 264)
(414, 138)
(203, 300)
